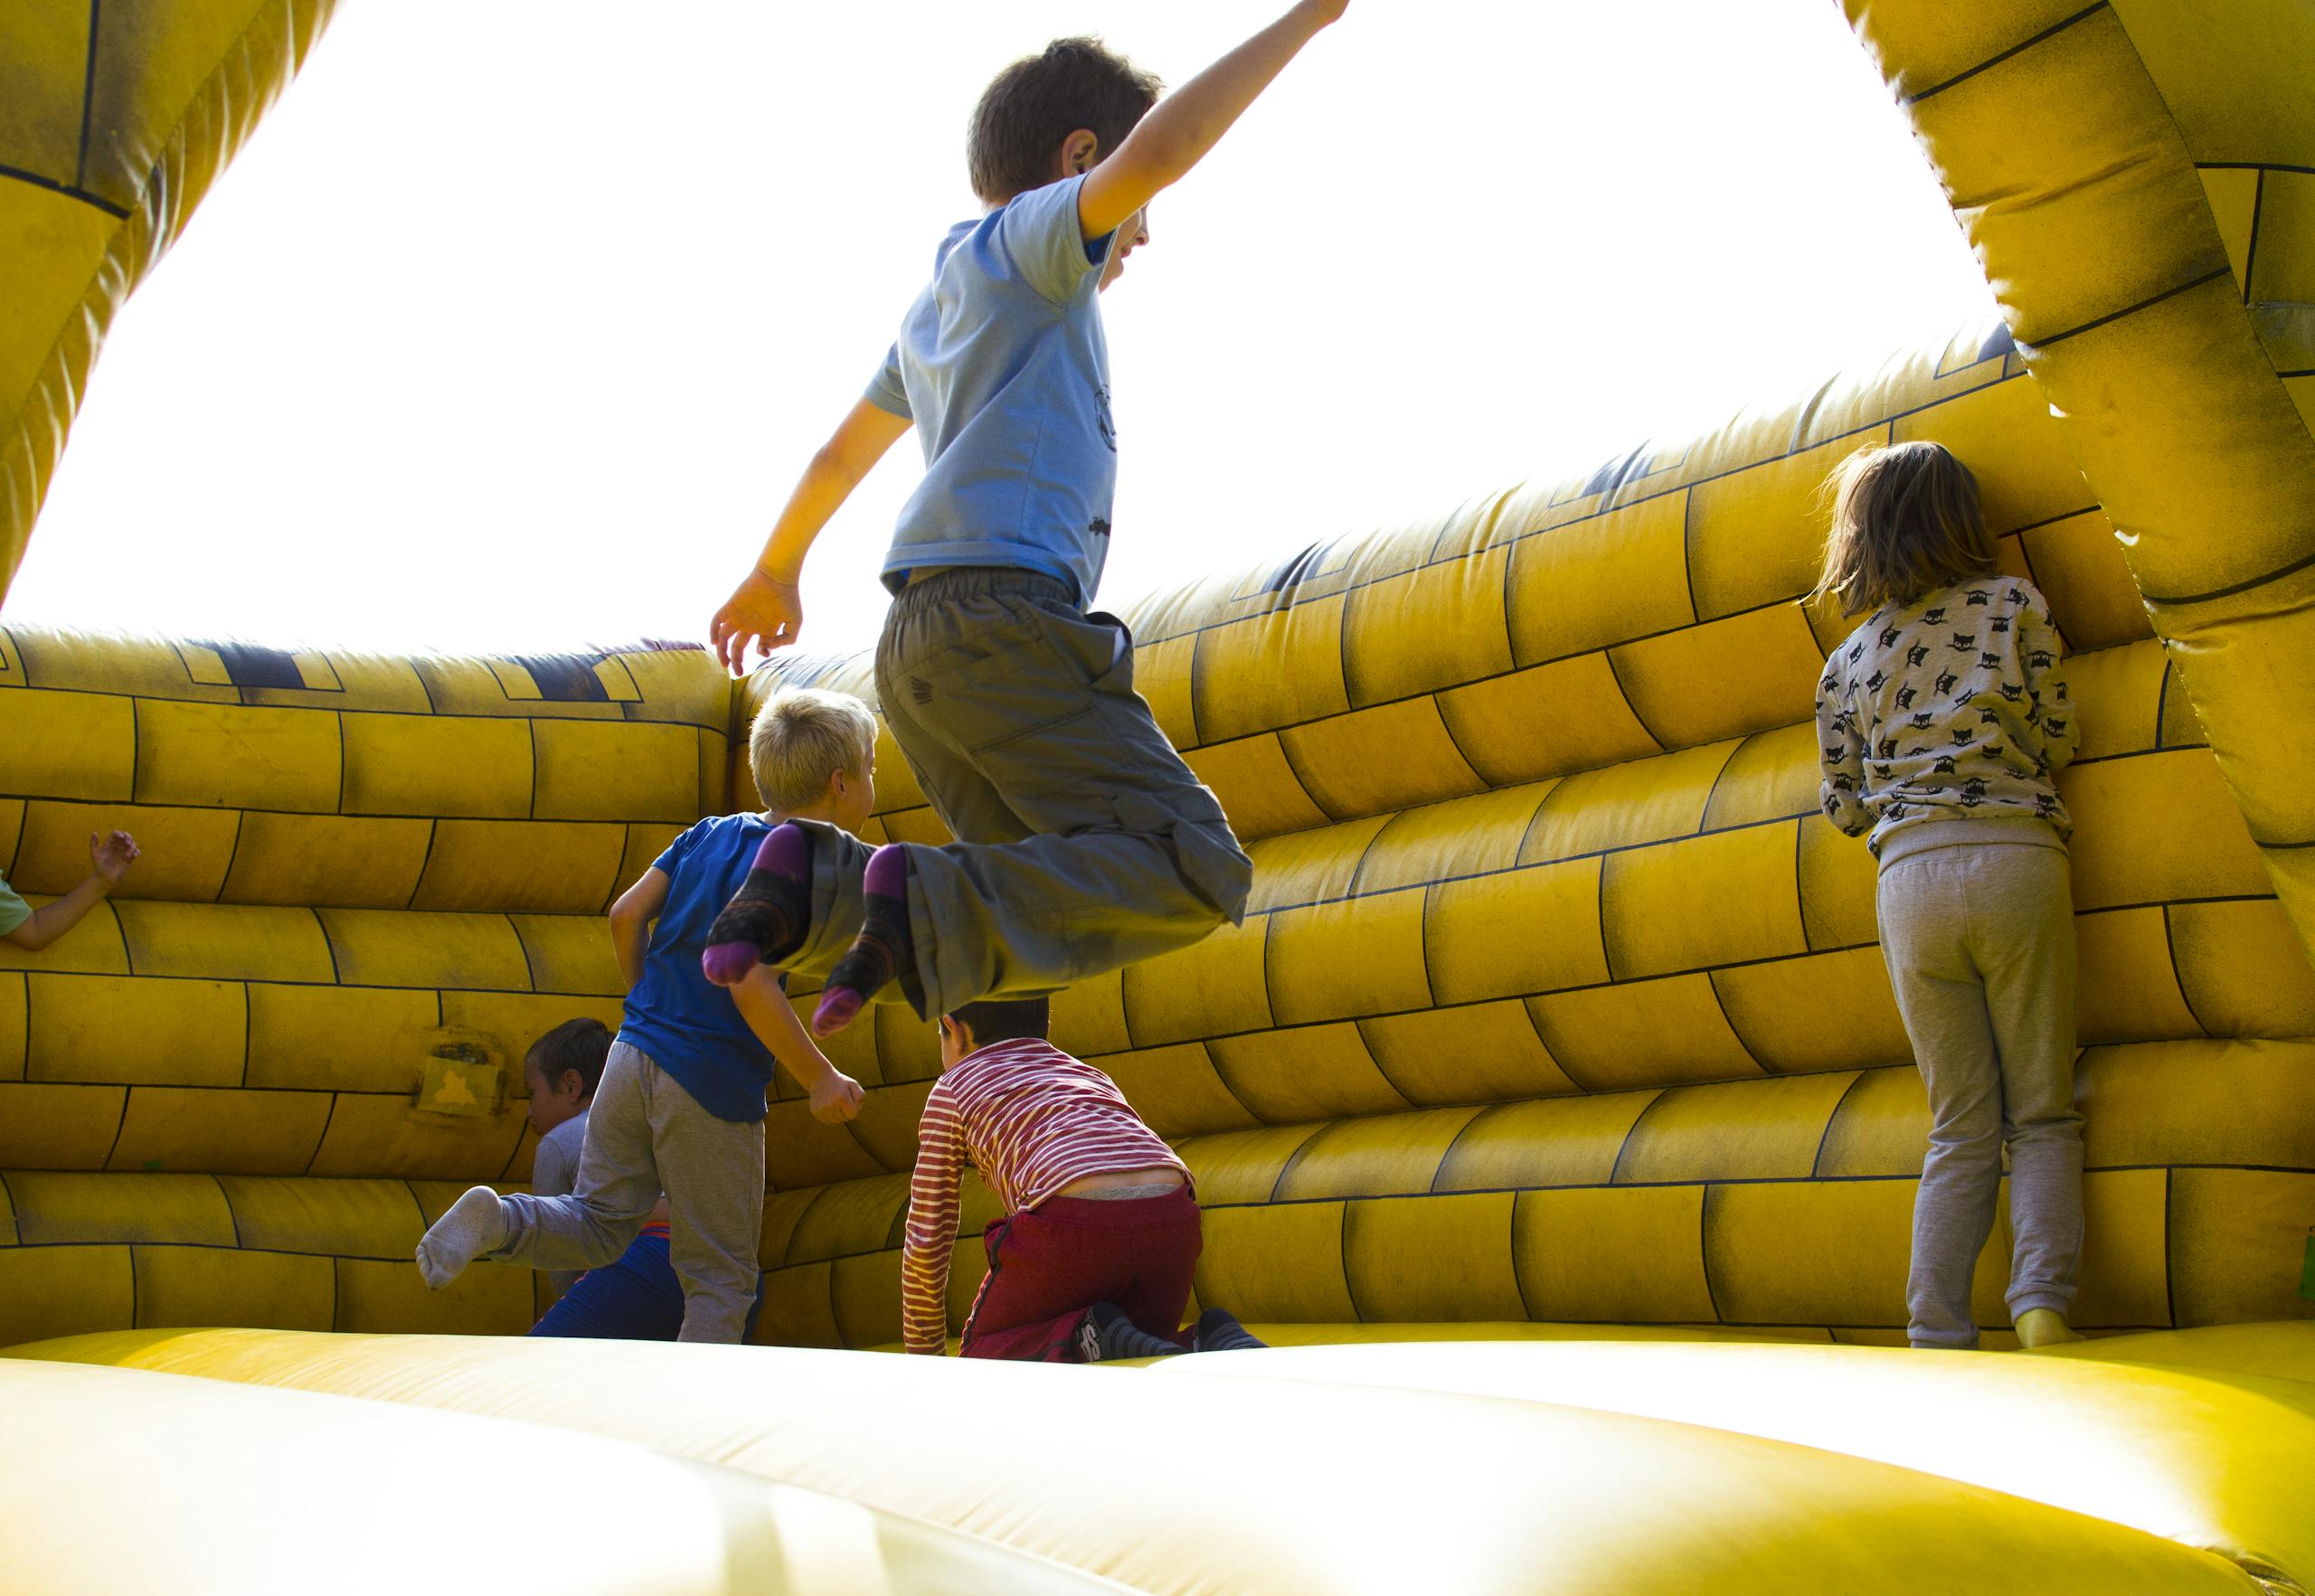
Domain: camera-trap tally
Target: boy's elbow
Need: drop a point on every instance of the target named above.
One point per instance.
(1148, 162)
(843, 462)
(828, 462)
(1166, 160)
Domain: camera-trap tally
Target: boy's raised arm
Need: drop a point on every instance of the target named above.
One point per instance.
(766, 611)
(1181, 128)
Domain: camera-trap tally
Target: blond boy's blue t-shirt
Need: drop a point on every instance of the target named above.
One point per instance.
(689, 1026)
(1002, 366)
(14, 911)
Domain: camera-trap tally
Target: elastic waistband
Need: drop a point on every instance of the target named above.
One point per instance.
(978, 581)
(1118, 1211)
(1971, 831)
(1132, 1193)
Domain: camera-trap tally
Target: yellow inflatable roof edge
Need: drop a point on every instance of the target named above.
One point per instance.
(150, 143)
(2057, 137)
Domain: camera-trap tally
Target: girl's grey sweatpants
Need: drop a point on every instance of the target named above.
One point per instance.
(1978, 938)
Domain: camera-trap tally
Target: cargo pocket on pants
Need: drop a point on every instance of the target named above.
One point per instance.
(1206, 855)
(999, 698)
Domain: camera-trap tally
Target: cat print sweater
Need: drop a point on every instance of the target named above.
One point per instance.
(1952, 707)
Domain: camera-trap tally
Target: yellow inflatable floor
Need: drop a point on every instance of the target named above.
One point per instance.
(1550, 1109)
(1467, 1467)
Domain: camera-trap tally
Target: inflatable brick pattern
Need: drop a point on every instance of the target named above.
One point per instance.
(1530, 789)
(1762, 1205)
(539, 783)
(1565, 946)
(368, 882)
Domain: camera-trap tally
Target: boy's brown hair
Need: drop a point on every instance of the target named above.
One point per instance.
(576, 1047)
(803, 736)
(1905, 523)
(1030, 107)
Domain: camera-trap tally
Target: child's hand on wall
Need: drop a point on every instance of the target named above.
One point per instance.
(111, 856)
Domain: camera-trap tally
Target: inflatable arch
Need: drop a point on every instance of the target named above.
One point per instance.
(1551, 1107)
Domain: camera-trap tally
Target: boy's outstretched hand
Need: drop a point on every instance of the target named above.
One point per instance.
(112, 855)
(837, 1099)
(1185, 124)
(762, 613)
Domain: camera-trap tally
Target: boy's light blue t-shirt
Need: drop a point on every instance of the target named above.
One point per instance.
(14, 911)
(1002, 366)
(689, 1026)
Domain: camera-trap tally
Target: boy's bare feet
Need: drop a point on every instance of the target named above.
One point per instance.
(2044, 1327)
(769, 917)
(476, 1224)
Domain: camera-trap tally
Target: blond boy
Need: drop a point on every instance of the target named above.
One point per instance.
(682, 1102)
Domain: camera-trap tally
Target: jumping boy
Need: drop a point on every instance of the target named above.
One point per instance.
(681, 1105)
(1093, 1258)
(1084, 843)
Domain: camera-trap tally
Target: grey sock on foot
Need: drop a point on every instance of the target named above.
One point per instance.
(1219, 1330)
(476, 1224)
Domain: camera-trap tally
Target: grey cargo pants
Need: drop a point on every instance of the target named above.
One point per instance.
(1083, 844)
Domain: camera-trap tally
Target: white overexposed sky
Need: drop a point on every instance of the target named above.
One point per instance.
(515, 324)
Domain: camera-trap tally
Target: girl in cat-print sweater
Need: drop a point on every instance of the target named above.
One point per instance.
(1942, 721)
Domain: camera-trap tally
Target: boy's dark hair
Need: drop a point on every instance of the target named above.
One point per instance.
(578, 1045)
(1006, 1021)
(1031, 105)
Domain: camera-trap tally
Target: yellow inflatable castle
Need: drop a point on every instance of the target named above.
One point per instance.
(1551, 1112)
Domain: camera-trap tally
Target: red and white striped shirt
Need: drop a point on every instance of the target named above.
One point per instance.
(1031, 1118)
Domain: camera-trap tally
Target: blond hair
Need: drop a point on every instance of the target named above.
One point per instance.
(800, 738)
(1905, 523)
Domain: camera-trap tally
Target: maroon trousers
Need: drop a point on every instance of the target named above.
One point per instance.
(1047, 1266)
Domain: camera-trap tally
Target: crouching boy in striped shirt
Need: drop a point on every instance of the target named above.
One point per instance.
(1094, 1255)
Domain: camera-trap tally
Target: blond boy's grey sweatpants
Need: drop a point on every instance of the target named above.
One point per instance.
(1978, 938)
(1083, 844)
(645, 1134)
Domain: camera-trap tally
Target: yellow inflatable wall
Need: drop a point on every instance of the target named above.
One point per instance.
(1559, 1020)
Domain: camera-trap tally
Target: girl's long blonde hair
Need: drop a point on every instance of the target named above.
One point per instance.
(1905, 523)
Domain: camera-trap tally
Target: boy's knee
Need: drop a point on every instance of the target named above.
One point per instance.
(1215, 868)
(611, 1228)
(1239, 879)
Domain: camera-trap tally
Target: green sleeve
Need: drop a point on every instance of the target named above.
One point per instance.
(14, 911)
